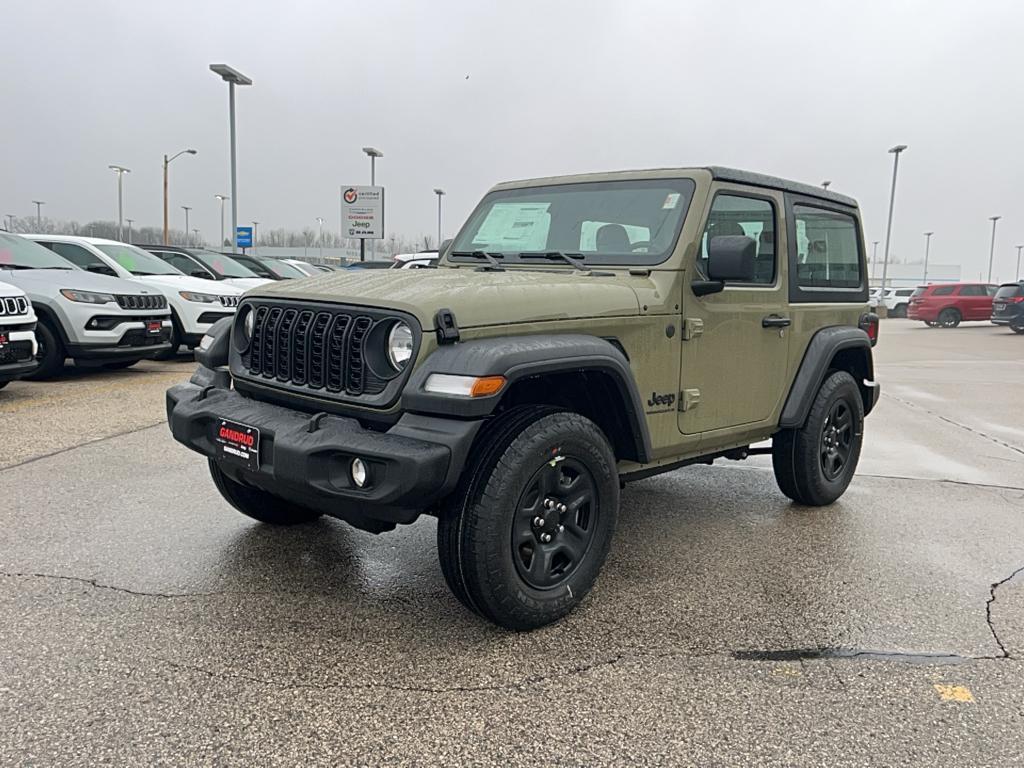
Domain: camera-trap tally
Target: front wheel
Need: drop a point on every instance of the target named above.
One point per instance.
(815, 463)
(257, 504)
(51, 353)
(523, 537)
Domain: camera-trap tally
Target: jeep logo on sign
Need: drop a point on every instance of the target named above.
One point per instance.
(657, 400)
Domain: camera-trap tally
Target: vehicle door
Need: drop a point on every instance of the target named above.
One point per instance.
(975, 302)
(80, 257)
(735, 342)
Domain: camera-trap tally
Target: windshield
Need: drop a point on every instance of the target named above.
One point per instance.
(280, 268)
(608, 222)
(224, 266)
(19, 253)
(136, 260)
(1009, 291)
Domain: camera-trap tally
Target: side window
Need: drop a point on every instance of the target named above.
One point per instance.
(180, 263)
(827, 249)
(973, 290)
(80, 257)
(752, 217)
(944, 290)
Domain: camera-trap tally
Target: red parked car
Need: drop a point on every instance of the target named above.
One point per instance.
(947, 304)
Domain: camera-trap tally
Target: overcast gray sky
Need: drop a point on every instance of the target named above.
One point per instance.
(809, 90)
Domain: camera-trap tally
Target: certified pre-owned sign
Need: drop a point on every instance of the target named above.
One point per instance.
(362, 212)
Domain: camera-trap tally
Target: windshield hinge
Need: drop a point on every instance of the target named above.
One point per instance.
(447, 328)
(692, 328)
(689, 399)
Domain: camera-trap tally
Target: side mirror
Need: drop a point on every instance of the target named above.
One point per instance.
(101, 269)
(731, 259)
(201, 273)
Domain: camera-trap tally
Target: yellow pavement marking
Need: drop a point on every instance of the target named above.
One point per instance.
(954, 693)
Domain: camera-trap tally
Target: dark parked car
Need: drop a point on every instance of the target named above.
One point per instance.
(1008, 306)
(947, 304)
(272, 269)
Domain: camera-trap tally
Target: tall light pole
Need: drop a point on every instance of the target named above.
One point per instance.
(39, 214)
(197, 240)
(440, 193)
(130, 222)
(10, 221)
(222, 198)
(927, 248)
(232, 77)
(895, 151)
(320, 236)
(120, 170)
(373, 153)
(255, 236)
(1017, 273)
(992, 247)
(874, 257)
(186, 209)
(825, 184)
(167, 161)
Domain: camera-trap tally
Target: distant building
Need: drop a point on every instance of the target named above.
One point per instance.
(911, 275)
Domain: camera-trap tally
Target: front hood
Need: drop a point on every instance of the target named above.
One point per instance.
(245, 283)
(8, 291)
(55, 279)
(477, 298)
(171, 284)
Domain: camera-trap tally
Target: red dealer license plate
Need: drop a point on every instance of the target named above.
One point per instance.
(237, 443)
(154, 326)
(3, 339)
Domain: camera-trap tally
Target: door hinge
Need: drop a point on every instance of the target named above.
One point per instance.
(692, 328)
(689, 399)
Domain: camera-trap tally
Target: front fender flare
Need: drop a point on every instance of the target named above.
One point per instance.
(519, 357)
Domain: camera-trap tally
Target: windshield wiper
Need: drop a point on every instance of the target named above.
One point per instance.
(28, 266)
(568, 258)
(492, 258)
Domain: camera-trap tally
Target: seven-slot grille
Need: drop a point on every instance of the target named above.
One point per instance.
(142, 301)
(316, 348)
(229, 301)
(13, 305)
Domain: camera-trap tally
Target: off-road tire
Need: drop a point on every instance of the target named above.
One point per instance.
(798, 454)
(51, 353)
(949, 318)
(258, 504)
(477, 521)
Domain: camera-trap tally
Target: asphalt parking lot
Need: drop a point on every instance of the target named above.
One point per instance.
(143, 621)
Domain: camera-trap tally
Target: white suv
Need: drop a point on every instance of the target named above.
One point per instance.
(196, 304)
(17, 334)
(94, 319)
(896, 300)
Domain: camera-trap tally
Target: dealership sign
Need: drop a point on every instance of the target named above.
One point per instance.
(362, 212)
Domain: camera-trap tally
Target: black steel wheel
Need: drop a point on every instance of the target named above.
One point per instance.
(555, 521)
(815, 463)
(523, 537)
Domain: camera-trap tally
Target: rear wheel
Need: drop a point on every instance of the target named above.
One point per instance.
(815, 463)
(258, 504)
(51, 353)
(523, 537)
(949, 318)
(930, 323)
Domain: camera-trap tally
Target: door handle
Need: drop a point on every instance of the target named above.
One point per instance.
(775, 321)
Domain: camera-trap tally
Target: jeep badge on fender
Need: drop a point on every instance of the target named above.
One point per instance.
(501, 392)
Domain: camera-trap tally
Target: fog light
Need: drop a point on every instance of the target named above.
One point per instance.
(360, 473)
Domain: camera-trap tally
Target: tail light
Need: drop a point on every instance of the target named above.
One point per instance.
(869, 324)
(1015, 300)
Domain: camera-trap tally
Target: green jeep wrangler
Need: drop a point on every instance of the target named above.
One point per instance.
(579, 333)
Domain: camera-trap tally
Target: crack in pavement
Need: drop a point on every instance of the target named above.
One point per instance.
(961, 425)
(1005, 654)
(93, 441)
(124, 590)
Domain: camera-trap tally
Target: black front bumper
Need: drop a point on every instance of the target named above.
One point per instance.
(15, 370)
(308, 459)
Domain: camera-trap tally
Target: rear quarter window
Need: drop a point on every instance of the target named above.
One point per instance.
(944, 290)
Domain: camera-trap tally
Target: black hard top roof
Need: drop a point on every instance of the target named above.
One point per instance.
(772, 182)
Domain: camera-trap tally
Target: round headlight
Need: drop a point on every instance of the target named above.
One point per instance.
(399, 345)
(248, 324)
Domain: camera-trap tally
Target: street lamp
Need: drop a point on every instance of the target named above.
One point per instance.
(130, 222)
(167, 161)
(895, 151)
(120, 170)
(440, 193)
(222, 198)
(320, 236)
(373, 153)
(825, 184)
(186, 209)
(198, 242)
(1017, 273)
(10, 221)
(927, 248)
(874, 257)
(39, 215)
(232, 77)
(255, 236)
(992, 247)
